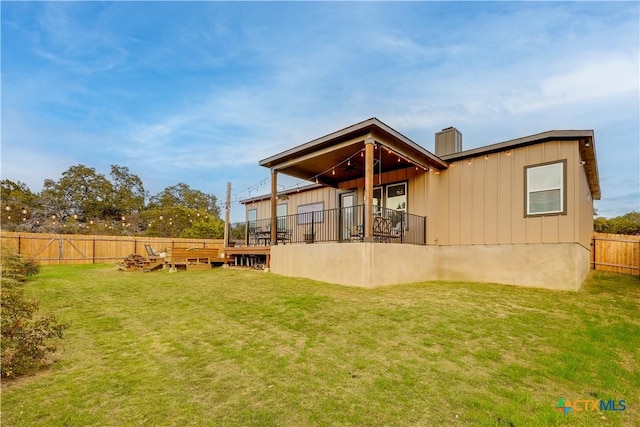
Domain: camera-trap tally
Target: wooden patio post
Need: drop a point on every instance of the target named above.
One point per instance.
(368, 189)
(274, 206)
(227, 214)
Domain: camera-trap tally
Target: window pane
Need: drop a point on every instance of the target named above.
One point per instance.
(281, 214)
(397, 197)
(309, 213)
(377, 200)
(544, 177)
(545, 201)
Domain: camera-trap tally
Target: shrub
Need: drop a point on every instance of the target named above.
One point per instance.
(27, 342)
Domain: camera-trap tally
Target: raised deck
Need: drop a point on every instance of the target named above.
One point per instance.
(250, 256)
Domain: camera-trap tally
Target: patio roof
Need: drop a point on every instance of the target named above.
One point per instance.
(339, 156)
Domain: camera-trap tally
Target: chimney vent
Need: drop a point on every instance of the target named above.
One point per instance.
(448, 141)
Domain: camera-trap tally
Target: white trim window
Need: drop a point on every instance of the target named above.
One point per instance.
(281, 214)
(311, 212)
(545, 189)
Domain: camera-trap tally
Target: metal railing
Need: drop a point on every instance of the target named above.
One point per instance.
(338, 225)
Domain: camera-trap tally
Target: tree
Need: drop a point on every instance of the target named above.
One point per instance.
(17, 204)
(210, 228)
(80, 193)
(182, 195)
(129, 194)
(628, 223)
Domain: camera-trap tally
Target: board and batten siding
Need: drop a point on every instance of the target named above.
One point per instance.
(416, 187)
(481, 200)
(327, 195)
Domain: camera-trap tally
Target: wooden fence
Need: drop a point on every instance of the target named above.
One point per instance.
(618, 253)
(609, 252)
(87, 249)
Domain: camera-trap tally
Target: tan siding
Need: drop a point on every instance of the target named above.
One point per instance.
(491, 199)
(504, 197)
(328, 195)
(550, 224)
(478, 168)
(533, 226)
(450, 204)
(518, 226)
(550, 229)
(418, 194)
(439, 216)
(454, 193)
(585, 210)
(465, 202)
(566, 223)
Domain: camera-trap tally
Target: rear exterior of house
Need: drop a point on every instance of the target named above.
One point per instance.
(517, 212)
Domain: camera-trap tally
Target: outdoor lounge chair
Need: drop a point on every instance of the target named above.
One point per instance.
(151, 252)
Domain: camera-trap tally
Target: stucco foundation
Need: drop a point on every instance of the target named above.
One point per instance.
(552, 266)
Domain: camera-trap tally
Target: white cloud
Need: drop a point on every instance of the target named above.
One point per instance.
(597, 78)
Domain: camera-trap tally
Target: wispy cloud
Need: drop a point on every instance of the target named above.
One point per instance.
(202, 91)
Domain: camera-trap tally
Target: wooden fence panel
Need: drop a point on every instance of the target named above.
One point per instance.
(89, 249)
(617, 253)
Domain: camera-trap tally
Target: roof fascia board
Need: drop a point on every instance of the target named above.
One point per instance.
(421, 150)
(362, 129)
(316, 153)
(520, 142)
(316, 143)
(299, 189)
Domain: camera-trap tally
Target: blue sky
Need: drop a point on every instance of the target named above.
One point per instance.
(199, 92)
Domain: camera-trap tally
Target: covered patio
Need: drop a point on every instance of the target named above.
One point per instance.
(351, 158)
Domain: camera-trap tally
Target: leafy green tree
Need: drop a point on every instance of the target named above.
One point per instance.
(172, 221)
(183, 195)
(237, 231)
(129, 194)
(17, 205)
(628, 223)
(211, 228)
(81, 193)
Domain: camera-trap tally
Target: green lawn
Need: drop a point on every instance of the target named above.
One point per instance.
(241, 348)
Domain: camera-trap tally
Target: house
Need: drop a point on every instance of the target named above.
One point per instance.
(383, 210)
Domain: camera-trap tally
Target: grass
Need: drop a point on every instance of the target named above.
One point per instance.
(235, 347)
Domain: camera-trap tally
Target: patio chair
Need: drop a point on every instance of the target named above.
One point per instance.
(151, 252)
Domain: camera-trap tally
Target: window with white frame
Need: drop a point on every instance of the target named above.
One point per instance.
(281, 214)
(252, 217)
(545, 189)
(310, 213)
(377, 200)
(397, 196)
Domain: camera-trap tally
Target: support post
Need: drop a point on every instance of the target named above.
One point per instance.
(227, 213)
(368, 189)
(274, 207)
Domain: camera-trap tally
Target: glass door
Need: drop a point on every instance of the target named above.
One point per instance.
(348, 216)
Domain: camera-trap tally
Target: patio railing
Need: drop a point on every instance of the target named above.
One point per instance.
(338, 225)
